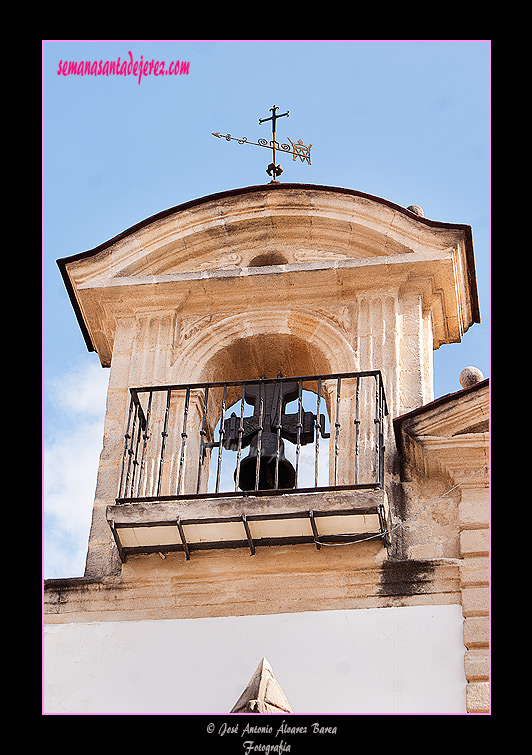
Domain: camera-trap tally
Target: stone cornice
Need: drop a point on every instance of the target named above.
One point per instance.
(449, 435)
(343, 228)
(298, 579)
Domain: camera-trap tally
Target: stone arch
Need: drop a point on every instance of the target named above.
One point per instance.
(246, 345)
(268, 258)
(265, 342)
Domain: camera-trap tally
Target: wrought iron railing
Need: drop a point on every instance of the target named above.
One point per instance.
(303, 434)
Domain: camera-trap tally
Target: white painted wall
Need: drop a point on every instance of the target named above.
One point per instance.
(382, 660)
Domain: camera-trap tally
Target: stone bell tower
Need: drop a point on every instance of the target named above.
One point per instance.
(261, 343)
(270, 280)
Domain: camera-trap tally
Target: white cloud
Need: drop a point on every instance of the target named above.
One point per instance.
(70, 464)
(72, 447)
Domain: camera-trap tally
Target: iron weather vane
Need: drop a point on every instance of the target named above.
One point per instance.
(298, 150)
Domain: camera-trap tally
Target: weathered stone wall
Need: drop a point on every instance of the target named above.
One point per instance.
(443, 446)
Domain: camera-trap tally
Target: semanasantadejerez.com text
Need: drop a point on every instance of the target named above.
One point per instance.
(119, 67)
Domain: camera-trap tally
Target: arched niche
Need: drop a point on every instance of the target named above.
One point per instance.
(268, 258)
(246, 345)
(268, 344)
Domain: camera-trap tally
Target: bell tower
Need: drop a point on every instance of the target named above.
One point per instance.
(262, 342)
(219, 364)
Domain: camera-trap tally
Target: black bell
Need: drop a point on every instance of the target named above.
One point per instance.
(269, 418)
(286, 476)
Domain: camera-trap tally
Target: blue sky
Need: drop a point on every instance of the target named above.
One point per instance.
(408, 121)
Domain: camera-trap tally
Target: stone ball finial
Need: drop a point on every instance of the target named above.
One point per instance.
(470, 376)
(415, 208)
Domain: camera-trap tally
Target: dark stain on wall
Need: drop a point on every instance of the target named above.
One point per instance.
(405, 577)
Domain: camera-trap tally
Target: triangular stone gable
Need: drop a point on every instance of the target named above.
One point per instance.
(263, 693)
(466, 411)
(450, 434)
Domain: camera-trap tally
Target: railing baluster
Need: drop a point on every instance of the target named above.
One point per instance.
(357, 426)
(381, 432)
(183, 442)
(318, 426)
(377, 428)
(220, 447)
(278, 431)
(145, 444)
(259, 435)
(201, 452)
(240, 431)
(163, 441)
(124, 455)
(137, 444)
(130, 451)
(337, 426)
(299, 426)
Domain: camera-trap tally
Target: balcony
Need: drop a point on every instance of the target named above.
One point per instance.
(246, 463)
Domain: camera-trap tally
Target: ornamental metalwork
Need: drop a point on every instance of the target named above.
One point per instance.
(297, 149)
(311, 433)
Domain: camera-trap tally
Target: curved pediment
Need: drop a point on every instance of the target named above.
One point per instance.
(292, 228)
(238, 242)
(298, 224)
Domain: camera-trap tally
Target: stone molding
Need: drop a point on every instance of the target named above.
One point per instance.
(189, 249)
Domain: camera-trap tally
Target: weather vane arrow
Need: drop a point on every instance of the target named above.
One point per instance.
(298, 148)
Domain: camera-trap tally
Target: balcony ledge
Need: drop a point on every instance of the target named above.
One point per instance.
(250, 521)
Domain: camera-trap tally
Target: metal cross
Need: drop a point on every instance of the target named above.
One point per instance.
(273, 119)
(298, 148)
